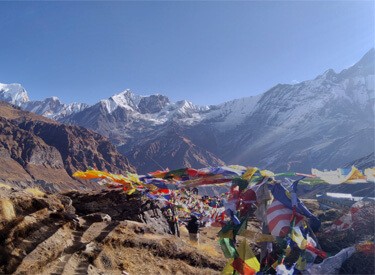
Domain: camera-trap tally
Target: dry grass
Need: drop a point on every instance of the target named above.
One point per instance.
(3, 185)
(142, 261)
(7, 210)
(208, 249)
(208, 241)
(35, 192)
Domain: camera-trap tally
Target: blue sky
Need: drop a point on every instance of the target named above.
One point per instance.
(206, 52)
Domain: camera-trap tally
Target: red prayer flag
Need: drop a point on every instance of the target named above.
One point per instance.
(240, 266)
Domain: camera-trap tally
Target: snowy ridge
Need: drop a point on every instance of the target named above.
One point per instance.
(232, 113)
(156, 109)
(125, 99)
(49, 107)
(53, 108)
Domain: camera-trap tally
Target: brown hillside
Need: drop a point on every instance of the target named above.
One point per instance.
(34, 149)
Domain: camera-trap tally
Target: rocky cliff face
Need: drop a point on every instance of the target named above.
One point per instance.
(34, 149)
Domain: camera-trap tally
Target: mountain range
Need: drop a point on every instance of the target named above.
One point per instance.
(323, 123)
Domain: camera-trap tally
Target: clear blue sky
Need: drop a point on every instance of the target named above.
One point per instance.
(206, 52)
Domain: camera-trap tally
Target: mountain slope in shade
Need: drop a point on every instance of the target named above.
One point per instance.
(34, 149)
(170, 148)
(364, 162)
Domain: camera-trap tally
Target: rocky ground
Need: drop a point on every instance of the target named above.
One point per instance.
(108, 232)
(67, 234)
(362, 230)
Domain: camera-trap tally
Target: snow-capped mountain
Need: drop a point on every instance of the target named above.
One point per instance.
(146, 128)
(315, 123)
(13, 93)
(126, 115)
(325, 122)
(49, 107)
(156, 109)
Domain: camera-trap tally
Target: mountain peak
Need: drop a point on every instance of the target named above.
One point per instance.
(368, 58)
(126, 93)
(13, 93)
(125, 99)
(53, 99)
(365, 67)
(328, 74)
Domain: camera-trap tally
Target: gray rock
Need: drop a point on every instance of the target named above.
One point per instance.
(98, 217)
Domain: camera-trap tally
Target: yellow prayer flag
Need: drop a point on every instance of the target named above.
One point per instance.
(249, 173)
(301, 263)
(247, 255)
(267, 173)
(297, 237)
(228, 269)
